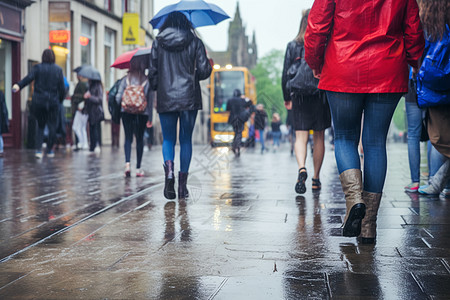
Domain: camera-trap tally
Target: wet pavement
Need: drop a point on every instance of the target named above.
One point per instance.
(71, 227)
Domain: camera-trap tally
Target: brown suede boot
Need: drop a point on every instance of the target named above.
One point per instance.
(351, 181)
(369, 223)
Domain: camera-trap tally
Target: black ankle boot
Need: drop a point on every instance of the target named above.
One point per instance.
(169, 187)
(182, 188)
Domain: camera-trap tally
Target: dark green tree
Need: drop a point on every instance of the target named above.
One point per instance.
(268, 83)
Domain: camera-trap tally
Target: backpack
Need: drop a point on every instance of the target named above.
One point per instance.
(301, 80)
(433, 79)
(113, 106)
(133, 98)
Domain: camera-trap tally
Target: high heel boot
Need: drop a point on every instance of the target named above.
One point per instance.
(351, 181)
(169, 186)
(182, 188)
(369, 223)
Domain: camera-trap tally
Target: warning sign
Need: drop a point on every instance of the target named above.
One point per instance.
(130, 29)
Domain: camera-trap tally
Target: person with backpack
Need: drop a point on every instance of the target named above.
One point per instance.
(239, 114)
(360, 52)
(310, 111)
(433, 90)
(136, 101)
(178, 62)
(94, 109)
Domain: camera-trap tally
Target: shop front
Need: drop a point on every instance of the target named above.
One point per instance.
(11, 38)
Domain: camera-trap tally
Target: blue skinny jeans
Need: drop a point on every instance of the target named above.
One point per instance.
(414, 117)
(169, 122)
(346, 110)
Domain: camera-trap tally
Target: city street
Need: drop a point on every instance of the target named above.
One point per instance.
(72, 227)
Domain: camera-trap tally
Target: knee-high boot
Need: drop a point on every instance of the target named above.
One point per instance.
(351, 181)
(369, 223)
(182, 185)
(169, 186)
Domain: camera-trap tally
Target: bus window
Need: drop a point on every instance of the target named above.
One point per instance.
(224, 84)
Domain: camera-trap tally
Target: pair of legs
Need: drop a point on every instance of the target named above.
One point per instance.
(301, 142)
(47, 117)
(276, 138)
(134, 125)
(261, 139)
(362, 196)
(94, 133)
(237, 128)
(79, 127)
(169, 122)
(414, 117)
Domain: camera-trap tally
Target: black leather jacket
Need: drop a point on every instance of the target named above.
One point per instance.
(49, 87)
(178, 62)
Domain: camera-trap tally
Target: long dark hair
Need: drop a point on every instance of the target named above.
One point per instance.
(178, 20)
(48, 56)
(434, 14)
(300, 38)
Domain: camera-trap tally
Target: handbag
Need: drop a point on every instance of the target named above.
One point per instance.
(301, 80)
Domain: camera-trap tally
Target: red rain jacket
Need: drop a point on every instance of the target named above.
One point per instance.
(364, 46)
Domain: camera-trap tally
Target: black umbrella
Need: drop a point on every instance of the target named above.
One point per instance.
(89, 72)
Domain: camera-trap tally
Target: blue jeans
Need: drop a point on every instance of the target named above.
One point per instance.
(276, 135)
(414, 117)
(134, 124)
(169, 130)
(261, 139)
(1, 143)
(346, 110)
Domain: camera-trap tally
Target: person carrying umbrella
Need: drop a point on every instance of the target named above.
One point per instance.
(134, 88)
(177, 63)
(49, 91)
(93, 105)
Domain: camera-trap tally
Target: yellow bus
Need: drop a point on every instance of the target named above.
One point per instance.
(224, 80)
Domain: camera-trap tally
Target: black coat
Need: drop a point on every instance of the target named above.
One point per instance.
(49, 89)
(4, 122)
(94, 105)
(178, 62)
(293, 50)
(239, 110)
(260, 119)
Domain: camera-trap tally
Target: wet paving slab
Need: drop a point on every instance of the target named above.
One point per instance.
(72, 227)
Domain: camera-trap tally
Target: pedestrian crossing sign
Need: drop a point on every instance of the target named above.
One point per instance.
(130, 29)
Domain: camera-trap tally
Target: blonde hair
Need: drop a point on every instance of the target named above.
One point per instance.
(275, 117)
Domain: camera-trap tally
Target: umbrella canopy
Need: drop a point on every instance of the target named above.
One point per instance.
(199, 12)
(123, 60)
(90, 72)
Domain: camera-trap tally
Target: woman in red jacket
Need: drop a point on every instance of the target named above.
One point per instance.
(360, 50)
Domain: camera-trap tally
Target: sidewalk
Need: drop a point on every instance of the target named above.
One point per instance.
(72, 227)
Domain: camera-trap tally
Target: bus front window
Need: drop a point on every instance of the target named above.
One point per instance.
(225, 83)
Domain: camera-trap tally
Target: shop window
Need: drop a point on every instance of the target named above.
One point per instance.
(110, 41)
(87, 42)
(107, 5)
(5, 72)
(124, 6)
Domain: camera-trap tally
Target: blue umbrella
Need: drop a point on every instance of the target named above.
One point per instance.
(199, 12)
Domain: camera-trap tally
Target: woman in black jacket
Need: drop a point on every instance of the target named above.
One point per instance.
(94, 109)
(178, 62)
(49, 91)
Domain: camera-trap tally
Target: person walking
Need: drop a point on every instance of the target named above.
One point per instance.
(178, 62)
(4, 120)
(260, 124)
(134, 88)
(79, 122)
(309, 112)
(361, 54)
(49, 91)
(239, 114)
(94, 109)
(276, 131)
(435, 16)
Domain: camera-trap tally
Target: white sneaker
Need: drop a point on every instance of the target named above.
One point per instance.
(97, 149)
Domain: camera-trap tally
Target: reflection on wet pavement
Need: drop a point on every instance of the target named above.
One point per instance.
(73, 227)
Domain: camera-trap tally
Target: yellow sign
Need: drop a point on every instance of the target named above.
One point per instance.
(130, 29)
